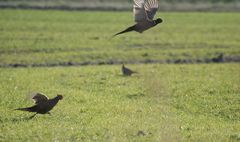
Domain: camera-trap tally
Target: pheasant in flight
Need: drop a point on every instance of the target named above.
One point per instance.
(144, 12)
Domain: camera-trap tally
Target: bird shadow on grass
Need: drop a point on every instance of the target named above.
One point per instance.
(133, 76)
(21, 119)
(135, 96)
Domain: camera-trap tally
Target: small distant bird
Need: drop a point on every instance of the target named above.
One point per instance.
(127, 71)
(144, 12)
(42, 104)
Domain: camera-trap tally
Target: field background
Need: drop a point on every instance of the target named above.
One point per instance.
(187, 88)
(161, 103)
(165, 5)
(51, 38)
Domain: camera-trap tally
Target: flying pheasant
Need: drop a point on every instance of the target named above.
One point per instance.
(144, 12)
(127, 71)
(42, 104)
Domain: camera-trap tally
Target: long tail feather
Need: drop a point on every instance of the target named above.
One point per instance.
(129, 29)
(22, 109)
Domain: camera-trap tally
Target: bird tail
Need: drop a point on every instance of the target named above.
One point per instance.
(129, 29)
(23, 109)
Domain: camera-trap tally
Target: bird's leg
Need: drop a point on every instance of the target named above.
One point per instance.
(33, 116)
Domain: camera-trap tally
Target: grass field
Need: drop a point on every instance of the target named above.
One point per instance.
(161, 103)
(60, 37)
(164, 102)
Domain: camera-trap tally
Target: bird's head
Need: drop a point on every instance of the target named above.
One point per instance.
(158, 20)
(59, 97)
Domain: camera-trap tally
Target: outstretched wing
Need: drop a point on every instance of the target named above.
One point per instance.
(39, 98)
(151, 8)
(139, 10)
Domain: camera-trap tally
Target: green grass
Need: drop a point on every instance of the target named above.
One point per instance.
(194, 102)
(165, 102)
(57, 37)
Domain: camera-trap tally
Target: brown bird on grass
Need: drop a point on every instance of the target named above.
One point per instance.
(144, 12)
(42, 104)
(127, 71)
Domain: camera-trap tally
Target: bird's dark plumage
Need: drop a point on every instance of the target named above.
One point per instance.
(127, 71)
(42, 104)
